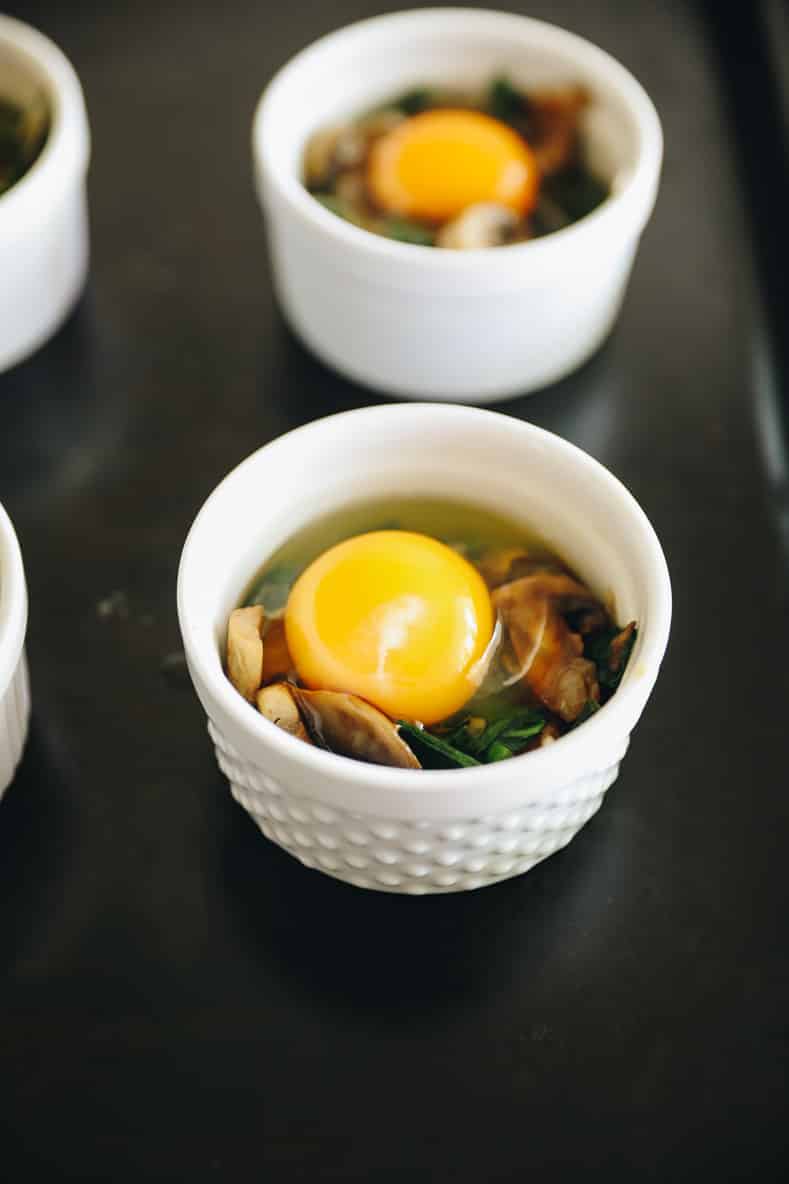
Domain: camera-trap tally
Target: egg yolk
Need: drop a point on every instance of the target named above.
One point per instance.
(395, 617)
(436, 164)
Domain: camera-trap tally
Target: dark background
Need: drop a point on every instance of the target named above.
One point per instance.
(179, 1000)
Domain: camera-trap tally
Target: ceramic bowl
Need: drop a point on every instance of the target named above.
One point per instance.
(14, 687)
(458, 325)
(43, 217)
(405, 830)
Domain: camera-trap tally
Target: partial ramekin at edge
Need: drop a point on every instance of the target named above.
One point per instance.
(43, 217)
(402, 830)
(14, 687)
(422, 322)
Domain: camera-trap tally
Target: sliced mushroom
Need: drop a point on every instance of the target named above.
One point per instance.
(352, 727)
(380, 122)
(553, 117)
(331, 150)
(619, 649)
(571, 597)
(495, 564)
(319, 157)
(549, 654)
(502, 565)
(245, 650)
(351, 188)
(485, 224)
(277, 662)
(276, 703)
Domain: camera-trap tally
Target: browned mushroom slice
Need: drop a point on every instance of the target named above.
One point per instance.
(571, 596)
(549, 654)
(276, 703)
(501, 565)
(352, 727)
(245, 650)
(619, 649)
(495, 564)
(277, 662)
(554, 121)
(484, 224)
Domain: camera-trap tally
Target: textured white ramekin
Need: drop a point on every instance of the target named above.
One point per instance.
(43, 218)
(458, 325)
(14, 688)
(404, 830)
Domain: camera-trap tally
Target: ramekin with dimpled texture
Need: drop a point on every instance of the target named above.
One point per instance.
(403, 830)
(14, 688)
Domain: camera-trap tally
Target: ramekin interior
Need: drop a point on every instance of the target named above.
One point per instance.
(432, 450)
(29, 61)
(351, 70)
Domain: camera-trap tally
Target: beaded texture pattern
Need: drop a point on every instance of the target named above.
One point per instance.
(416, 857)
(14, 717)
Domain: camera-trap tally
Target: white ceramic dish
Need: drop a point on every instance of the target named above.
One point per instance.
(14, 688)
(404, 830)
(43, 217)
(426, 323)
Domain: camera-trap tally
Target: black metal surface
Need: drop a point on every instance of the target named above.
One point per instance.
(179, 1000)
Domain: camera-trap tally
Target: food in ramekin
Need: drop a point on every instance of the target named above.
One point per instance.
(459, 170)
(423, 634)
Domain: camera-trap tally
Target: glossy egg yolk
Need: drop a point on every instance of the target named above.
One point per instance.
(395, 617)
(436, 164)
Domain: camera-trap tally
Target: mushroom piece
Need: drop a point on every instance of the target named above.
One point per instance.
(277, 662)
(619, 649)
(330, 151)
(277, 704)
(549, 655)
(502, 565)
(245, 650)
(554, 121)
(319, 157)
(380, 122)
(352, 727)
(572, 597)
(485, 224)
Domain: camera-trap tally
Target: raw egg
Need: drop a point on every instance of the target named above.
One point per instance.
(436, 164)
(395, 617)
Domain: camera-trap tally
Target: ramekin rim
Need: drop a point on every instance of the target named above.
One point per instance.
(608, 725)
(637, 194)
(66, 152)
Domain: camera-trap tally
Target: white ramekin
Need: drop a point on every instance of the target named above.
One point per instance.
(404, 830)
(14, 688)
(43, 218)
(420, 322)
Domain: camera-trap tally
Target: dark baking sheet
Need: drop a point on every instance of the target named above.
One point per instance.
(179, 1000)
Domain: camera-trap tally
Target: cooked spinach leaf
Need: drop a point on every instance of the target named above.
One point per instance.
(433, 752)
(404, 231)
(575, 191)
(505, 102)
(513, 729)
(414, 101)
(498, 752)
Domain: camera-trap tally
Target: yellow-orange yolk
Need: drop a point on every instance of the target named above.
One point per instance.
(395, 617)
(436, 164)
